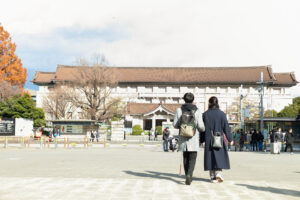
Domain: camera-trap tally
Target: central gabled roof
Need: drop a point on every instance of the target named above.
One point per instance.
(179, 75)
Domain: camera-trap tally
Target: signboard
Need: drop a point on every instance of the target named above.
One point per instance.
(7, 127)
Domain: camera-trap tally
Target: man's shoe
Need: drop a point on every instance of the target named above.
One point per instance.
(188, 180)
(214, 180)
(219, 178)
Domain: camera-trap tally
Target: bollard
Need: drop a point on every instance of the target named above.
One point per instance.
(22, 142)
(64, 142)
(28, 142)
(56, 143)
(6, 142)
(44, 139)
(41, 143)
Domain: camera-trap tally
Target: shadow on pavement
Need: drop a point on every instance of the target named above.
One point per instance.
(162, 175)
(273, 190)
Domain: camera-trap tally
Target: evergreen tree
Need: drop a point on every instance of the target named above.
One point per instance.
(22, 107)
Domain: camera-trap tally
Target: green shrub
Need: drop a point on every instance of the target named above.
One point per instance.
(137, 130)
(159, 130)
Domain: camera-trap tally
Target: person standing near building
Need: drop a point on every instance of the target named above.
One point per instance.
(278, 140)
(289, 140)
(215, 159)
(242, 140)
(260, 141)
(149, 135)
(272, 142)
(166, 134)
(237, 138)
(189, 143)
(249, 140)
(97, 136)
(155, 135)
(254, 140)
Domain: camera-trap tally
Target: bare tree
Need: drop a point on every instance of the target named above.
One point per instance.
(92, 91)
(7, 91)
(58, 102)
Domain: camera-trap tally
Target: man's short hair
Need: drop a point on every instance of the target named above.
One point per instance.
(188, 97)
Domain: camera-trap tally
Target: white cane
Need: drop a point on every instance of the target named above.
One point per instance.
(180, 165)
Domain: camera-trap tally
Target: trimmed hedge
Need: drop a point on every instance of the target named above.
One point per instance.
(137, 130)
(159, 130)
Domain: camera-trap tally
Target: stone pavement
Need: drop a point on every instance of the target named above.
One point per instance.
(141, 173)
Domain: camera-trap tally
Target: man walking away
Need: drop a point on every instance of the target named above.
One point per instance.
(166, 134)
(289, 139)
(188, 119)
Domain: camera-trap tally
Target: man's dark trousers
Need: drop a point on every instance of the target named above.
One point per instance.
(287, 146)
(189, 161)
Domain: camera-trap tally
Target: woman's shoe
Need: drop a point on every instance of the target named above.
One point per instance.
(219, 178)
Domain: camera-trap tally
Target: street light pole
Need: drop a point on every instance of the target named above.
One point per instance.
(261, 91)
(241, 105)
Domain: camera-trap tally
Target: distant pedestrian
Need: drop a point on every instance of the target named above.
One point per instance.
(289, 139)
(188, 119)
(237, 138)
(255, 140)
(166, 134)
(260, 138)
(149, 135)
(249, 135)
(155, 135)
(92, 136)
(97, 136)
(242, 140)
(215, 156)
(272, 142)
(278, 140)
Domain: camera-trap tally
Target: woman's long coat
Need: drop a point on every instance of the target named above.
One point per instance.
(216, 158)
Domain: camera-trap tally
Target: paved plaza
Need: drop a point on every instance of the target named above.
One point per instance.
(146, 172)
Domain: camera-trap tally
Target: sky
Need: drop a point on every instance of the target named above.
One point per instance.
(183, 33)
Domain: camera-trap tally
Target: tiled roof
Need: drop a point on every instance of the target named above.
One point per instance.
(177, 75)
(285, 78)
(43, 77)
(143, 108)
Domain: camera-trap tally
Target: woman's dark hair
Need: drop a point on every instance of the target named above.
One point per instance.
(213, 102)
(188, 97)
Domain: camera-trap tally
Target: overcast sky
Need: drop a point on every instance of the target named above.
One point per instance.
(156, 33)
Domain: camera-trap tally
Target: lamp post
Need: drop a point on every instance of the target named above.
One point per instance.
(261, 92)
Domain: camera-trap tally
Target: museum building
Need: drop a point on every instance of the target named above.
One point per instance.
(153, 94)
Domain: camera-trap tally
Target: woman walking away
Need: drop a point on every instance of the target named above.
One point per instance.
(188, 120)
(215, 153)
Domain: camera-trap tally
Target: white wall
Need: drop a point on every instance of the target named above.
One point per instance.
(23, 127)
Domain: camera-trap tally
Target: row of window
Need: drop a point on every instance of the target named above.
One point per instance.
(155, 89)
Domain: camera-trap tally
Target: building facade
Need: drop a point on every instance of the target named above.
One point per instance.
(152, 94)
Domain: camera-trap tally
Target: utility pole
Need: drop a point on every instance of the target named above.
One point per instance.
(241, 107)
(261, 91)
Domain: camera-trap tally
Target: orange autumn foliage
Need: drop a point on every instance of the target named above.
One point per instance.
(11, 69)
